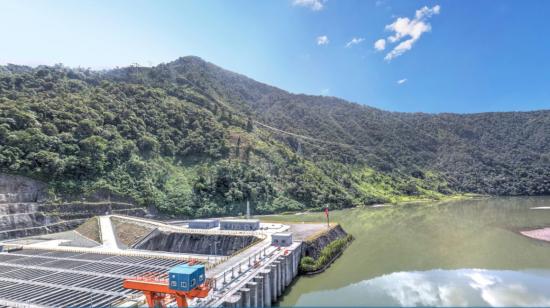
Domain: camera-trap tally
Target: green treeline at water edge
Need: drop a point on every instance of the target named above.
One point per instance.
(308, 264)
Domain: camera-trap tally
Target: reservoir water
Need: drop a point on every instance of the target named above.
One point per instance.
(459, 253)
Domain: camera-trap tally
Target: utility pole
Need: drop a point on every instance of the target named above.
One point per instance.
(247, 209)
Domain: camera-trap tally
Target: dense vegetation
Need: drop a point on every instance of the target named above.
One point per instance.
(491, 153)
(190, 138)
(329, 252)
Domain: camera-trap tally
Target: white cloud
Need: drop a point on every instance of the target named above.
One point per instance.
(322, 40)
(314, 5)
(426, 12)
(380, 44)
(402, 81)
(407, 31)
(354, 41)
(325, 92)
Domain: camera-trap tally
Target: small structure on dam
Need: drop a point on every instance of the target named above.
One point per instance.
(240, 224)
(204, 223)
(281, 239)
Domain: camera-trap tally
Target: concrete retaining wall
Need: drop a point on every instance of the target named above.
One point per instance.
(24, 210)
(196, 243)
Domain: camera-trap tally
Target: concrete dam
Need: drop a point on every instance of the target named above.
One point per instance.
(62, 255)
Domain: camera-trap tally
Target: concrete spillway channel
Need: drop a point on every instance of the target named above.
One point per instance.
(258, 281)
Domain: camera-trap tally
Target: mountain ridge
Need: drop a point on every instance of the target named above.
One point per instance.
(188, 137)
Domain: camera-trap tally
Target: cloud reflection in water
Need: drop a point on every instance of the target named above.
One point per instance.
(464, 287)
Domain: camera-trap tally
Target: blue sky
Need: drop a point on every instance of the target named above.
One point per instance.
(465, 56)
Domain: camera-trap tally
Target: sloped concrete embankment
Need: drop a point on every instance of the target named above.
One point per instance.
(224, 245)
(25, 209)
(313, 246)
(20, 208)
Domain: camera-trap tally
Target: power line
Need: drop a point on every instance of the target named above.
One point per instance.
(307, 138)
(313, 139)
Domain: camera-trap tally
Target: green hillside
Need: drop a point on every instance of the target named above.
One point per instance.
(193, 139)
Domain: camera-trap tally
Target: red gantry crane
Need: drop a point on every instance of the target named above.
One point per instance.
(183, 282)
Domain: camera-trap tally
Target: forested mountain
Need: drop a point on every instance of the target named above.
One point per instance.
(193, 139)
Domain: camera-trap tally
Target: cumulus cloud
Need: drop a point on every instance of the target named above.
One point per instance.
(380, 44)
(314, 5)
(354, 41)
(402, 81)
(407, 31)
(322, 40)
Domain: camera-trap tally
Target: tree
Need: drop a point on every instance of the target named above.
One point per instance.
(148, 146)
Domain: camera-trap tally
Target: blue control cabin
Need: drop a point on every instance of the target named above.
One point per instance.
(185, 277)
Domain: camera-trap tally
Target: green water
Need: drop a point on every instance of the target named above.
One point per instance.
(461, 253)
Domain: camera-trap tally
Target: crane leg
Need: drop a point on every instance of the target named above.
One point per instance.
(150, 298)
(181, 301)
(154, 300)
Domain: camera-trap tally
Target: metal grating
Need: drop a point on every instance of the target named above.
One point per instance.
(22, 292)
(138, 270)
(6, 258)
(92, 256)
(99, 267)
(31, 252)
(106, 284)
(68, 264)
(4, 284)
(26, 274)
(73, 298)
(161, 262)
(30, 261)
(66, 279)
(61, 254)
(5, 269)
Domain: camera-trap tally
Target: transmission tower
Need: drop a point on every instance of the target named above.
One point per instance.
(299, 149)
